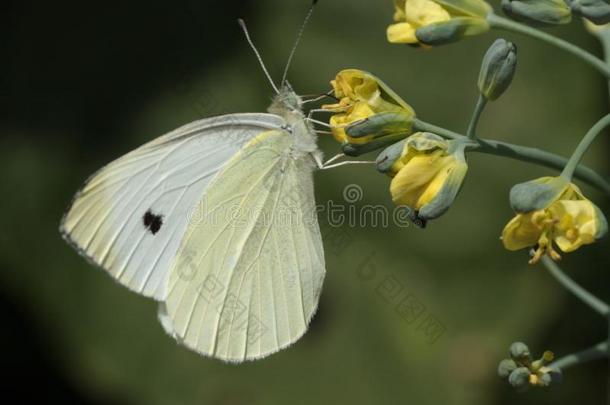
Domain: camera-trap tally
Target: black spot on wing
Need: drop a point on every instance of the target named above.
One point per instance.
(152, 222)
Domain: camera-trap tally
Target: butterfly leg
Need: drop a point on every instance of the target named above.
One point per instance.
(329, 163)
(324, 124)
(333, 159)
(349, 162)
(317, 157)
(318, 110)
(319, 97)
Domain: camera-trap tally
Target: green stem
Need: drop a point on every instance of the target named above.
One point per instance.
(522, 153)
(585, 296)
(496, 21)
(568, 171)
(596, 352)
(476, 116)
(603, 35)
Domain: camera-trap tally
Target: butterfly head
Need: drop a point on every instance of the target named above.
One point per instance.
(286, 101)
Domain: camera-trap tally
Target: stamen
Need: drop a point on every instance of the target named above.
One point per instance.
(572, 234)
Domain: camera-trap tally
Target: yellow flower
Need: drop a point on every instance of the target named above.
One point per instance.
(435, 22)
(428, 175)
(361, 96)
(552, 211)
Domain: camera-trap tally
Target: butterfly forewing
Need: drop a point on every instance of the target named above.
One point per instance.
(131, 216)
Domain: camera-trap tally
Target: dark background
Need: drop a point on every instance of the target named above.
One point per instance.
(83, 82)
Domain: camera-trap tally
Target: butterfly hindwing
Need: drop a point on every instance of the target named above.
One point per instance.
(249, 271)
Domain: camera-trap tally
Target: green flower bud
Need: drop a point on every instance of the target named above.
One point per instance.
(497, 69)
(537, 194)
(506, 367)
(546, 380)
(552, 376)
(522, 373)
(538, 12)
(386, 159)
(352, 149)
(596, 11)
(520, 352)
(519, 378)
(446, 32)
(385, 123)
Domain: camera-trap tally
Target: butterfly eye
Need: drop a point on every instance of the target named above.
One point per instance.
(152, 222)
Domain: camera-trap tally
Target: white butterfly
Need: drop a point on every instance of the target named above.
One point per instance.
(215, 220)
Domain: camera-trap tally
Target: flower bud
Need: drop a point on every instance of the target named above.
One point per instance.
(537, 194)
(519, 352)
(522, 373)
(428, 172)
(497, 69)
(520, 378)
(451, 31)
(551, 376)
(506, 367)
(596, 11)
(381, 124)
(538, 12)
(357, 149)
(386, 159)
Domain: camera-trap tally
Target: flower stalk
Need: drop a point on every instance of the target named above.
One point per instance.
(495, 21)
(585, 296)
(599, 351)
(583, 146)
(522, 153)
(476, 116)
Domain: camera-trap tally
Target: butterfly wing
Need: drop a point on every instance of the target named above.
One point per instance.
(248, 275)
(130, 217)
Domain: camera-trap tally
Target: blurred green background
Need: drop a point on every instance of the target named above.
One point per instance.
(85, 82)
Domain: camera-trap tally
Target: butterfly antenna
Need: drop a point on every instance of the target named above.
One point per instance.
(296, 43)
(242, 24)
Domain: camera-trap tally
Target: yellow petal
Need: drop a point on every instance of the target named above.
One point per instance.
(521, 232)
(445, 166)
(424, 12)
(572, 192)
(399, 10)
(401, 33)
(576, 224)
(452, 177)
(414, 179)
(338, 123)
